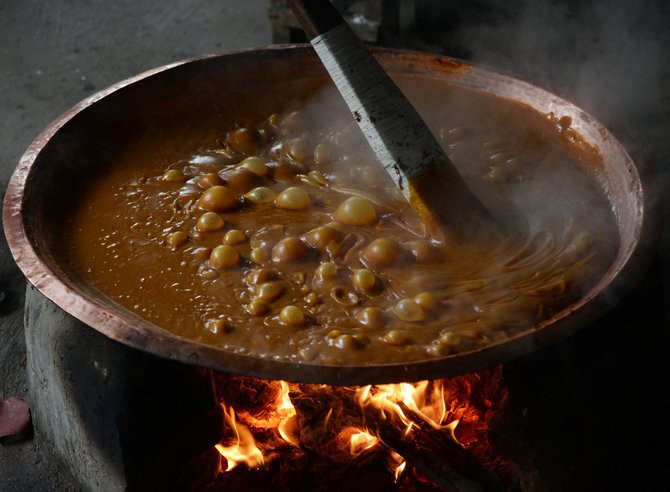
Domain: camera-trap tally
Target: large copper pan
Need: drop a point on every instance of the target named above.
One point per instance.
(181, 96)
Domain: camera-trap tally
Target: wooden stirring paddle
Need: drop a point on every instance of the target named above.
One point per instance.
(399, 137)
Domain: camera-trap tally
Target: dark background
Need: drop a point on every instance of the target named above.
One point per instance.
(590, 413)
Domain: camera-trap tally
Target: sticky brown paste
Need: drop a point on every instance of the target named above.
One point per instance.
(280, 237)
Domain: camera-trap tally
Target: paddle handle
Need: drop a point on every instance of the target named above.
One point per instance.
(315, 16)
(397, 134)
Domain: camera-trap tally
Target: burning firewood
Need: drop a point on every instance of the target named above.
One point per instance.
(291, 436)
(434, 453)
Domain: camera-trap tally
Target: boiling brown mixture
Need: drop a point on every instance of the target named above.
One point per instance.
(284, 239)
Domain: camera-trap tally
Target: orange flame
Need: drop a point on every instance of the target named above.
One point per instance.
(429, 405)
(397, 464)
(361, 441)
(243, 448)
(442, 404)
(288, 426)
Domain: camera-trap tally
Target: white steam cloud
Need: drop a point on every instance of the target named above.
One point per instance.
(608, 56)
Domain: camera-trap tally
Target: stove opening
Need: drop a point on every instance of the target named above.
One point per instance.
(429, 435)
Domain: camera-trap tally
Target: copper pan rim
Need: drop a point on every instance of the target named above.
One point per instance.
(628, 187)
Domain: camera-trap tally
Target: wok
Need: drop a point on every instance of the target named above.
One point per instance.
(210, 90)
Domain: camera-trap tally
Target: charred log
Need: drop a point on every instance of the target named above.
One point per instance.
(434, 453)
